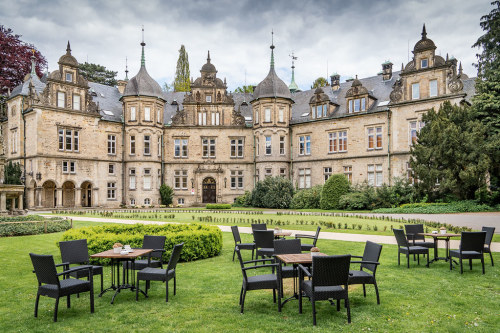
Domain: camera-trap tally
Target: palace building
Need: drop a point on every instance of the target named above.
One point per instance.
(83, 144)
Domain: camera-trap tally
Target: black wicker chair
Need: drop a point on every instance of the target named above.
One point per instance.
(77, 252)
(471, 247)
(155, 258)
(487, 241)
(259, 226)
(369, 262)
(257, 282)
(159, 274)
(264, 242)
(50, 285)
(287, 246)
(238, 243)
(329, 280)
(308, 247)
(413, 237)
(405, 248)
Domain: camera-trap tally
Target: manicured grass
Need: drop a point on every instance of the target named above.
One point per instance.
(416, 299)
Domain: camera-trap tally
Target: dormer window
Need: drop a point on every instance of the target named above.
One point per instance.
(357, 104)
(69, 77)
(424, 63)
(208, 99)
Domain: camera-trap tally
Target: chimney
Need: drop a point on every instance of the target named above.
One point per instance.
(121, 85)
(387, 70)
(335, 81)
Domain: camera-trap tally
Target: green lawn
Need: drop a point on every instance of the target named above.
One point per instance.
(416, 299)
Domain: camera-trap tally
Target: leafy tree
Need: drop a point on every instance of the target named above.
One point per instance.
(244, 89)
(166, 194)
(167, 87)
(335, 187)
(97, 73)
(15, 60)
(487, 99)
(319, 82)
(12, 174)
(182, 75)
(273, 192)
(307, 198)
(450, 158)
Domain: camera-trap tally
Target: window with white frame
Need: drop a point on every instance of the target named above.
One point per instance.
(282, 145)
(69, 77)
(268, 172)
(327, 172)
(202, 118)
(61, 99)
(208, 98)
(147, 201)
(415, 127)
(267, 115)
(147, 113)
(357, 104)
(415, 91)
(132, 145)
(236, 179)
(147, 144)
(180, 201)
(374, 137)
(305, 178)
(180, 180)
(305, 145)
(68, 167)
(268, 145)
(111, 191)
(348, 173)
(215, 118)
(237, 147)
(337, 142)
(424, 63)
(208, 146)
(181, 148)
(69, 140)
(375, 175)
(132, 202)
(132, 113)
(111, 168)
(159, 145)
(281, 115)
(158, 116)
(14, 140)
(76, 102)
(433, 88)
(132, 179)
(147, 179)
(256, 116)
(111, 144)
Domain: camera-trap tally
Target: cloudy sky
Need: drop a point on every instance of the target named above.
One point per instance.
(348, 37)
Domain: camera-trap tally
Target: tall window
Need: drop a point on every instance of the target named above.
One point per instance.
(158, 116)
(375, 175)
(111, 144)
(215, 118)
(319, 111)
(132, 179)
(348, 173)
(257, 146)
(14, 141)
(374, 138)
(415, 91)
(111, 168)
(327, 172)
(236, 147)
(236, 179)
(147, 179)
(256, 116)
(208, 146)
(132, 113)
(61, 99)
(415, 127)
(111, 191)
(202, 118)
(409, 173)
(281, 115)
(68, 140)
(433, 88)
(147, 144)
(147, 114)
(282, 145)
(304, 178)
(268, 145)
(76, 102)
(257, 175)
(305, 145)
(181, 148)
(337, 142)
(159, 145)
(267, 115)
(132, 145)
(180, 180)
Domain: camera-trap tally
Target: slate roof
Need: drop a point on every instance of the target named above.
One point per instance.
(143, 85)
(108, 99)
(23, 88)
(272, 86)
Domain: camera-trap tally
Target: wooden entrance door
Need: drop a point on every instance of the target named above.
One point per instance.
(209, 190)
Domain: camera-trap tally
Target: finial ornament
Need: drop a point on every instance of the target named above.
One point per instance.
(272, 49)
(208, 57)
(126, 69)
(68, 49)
(143, 58)
(424, 33)
(33, 62)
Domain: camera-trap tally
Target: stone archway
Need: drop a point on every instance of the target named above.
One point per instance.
(86, 196)
(49, 194)
(209, 192)
(68, 194)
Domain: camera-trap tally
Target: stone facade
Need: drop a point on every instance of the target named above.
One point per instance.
(83, 144)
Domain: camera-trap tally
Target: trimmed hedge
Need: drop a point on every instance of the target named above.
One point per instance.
(200, 241)
(218, 206)
(30, 227)
(438, 208)
(335, 187)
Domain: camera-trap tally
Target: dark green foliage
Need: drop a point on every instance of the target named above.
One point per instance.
(218, 206)
(244, 89)
(200, 241)
(12, 174)
(437, 208)
(336, 186)
(166, 194)
(319, 82)
(450, 150)
(182, 75)
(307, 199)
(244, 200)
(273, 192)
(355, 201)
(97, 73)
(56, 224)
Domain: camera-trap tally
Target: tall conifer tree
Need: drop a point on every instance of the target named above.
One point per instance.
(182, 75)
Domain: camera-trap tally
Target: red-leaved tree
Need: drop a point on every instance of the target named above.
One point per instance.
(15, 60)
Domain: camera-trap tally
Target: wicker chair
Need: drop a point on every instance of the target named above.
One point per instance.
(160, 274)
(155, 258)
(50, 285)
(368, 268)
(413, 237)
(264, 242)
(259, 226)
(329, 280)
(77, 252)
(287, 246)
(308, 247)
(487, 242)
(238, 243)
(405, 248)
(257, 282)
(471, 247)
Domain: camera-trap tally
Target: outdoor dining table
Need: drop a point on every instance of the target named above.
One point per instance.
(438, 236)
(282, 234)
(116, 259)
(294, 259)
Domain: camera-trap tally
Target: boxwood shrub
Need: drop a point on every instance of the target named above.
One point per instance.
(218, 206)
(200, 241)
(7, 228)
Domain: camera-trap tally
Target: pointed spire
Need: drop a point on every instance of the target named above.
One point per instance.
(424, 33)
(293, 86)
(272, 49)
(126, 69)
(460, 68)
(447, 58)
(402, 67)
(33, 72)
(68, 49)
(208, 57)
(143, 59)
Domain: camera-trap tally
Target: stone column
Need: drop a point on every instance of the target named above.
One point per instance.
(95, 197)
(3, 202)
(78, 197)
(38, 191)
(30, 200)
(20, 202)
(58, 197)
